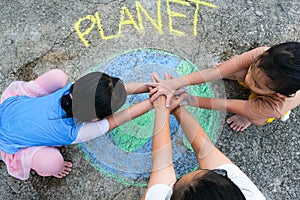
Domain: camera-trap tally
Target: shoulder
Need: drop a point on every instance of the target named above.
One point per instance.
(246, 59)
(254, 53)
(91, 130)
(257, 51)
(159, 192)
(269, 104)
(248, 188)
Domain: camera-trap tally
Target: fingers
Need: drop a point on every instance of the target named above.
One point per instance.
(155, 77)
(182, 97)
(168, 76)
(178, 101)
(158, 88)
(154, 96)
(169, 97)
(168, 100)
(151, 84)
(153, 91)
(180, 91)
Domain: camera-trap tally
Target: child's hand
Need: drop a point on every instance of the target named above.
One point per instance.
(187, 99)
(178, 100)
(159, 102)
(162, 87)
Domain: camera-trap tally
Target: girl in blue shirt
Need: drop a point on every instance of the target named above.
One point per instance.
(38, 116)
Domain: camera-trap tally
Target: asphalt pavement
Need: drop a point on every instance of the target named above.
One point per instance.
(76, 35)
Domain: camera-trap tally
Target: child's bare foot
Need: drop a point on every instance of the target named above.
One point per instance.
(65, 171)
(238, 122)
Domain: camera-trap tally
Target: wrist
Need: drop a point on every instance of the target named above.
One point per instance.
(162, 108)
(176, 111)
(192, 101)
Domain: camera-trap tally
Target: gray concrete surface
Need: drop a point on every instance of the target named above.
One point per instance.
(39, 35)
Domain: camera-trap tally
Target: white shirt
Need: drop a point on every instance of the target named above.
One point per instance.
(250, 191)
(91, 130)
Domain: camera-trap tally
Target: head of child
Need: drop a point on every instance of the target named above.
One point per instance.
(206, 184)
(93, 97)
(277, 71)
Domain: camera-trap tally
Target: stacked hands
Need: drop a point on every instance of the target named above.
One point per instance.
(162, 94)
(204, 183)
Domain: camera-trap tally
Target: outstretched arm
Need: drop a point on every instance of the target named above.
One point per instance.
(128, 114)
(162, 166)
(168, 87)
(136, 87)
(208, 156)
(231, 105)
(234, 68)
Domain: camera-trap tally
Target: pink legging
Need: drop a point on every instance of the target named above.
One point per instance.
(48, 161)
(52, 80)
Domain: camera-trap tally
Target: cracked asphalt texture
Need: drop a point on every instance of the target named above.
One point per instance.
(39, 35)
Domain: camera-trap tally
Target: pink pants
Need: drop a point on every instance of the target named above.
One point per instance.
(46, 161)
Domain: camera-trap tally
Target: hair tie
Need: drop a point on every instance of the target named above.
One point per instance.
(71, 96)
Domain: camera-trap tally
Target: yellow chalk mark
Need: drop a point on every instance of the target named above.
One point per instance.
(197, 11)
(126, 18)
(157, 25)
(101, 29)
(129, 21)
(175, 14)
(80, 34)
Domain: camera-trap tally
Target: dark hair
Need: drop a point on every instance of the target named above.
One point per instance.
(211, 185)
(281, 64)
(95, 95)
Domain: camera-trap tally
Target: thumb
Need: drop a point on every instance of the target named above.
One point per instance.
(168, 100)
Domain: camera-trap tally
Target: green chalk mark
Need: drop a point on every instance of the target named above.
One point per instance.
(134, 134)
(205, 117)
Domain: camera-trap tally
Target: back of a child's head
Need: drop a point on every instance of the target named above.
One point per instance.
(281, 64)
(94, 96)
(209, 186)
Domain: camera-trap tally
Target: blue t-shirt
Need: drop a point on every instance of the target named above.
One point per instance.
(28, 121)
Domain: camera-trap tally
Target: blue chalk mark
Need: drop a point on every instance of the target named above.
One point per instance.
(132, 166)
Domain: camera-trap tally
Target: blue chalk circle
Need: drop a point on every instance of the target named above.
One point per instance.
(125, 152)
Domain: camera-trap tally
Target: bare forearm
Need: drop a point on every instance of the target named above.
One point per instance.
(206, 75)
(208, 156)
(161, 151)
(220, 71)
(231, 105)
(136, 88)
(128, 114)
(161, 145)
(161, 134)
(162, 166)
(209, 103)
(196, 78)
(193, 131)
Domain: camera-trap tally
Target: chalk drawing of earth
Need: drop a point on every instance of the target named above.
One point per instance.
(125, 152)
